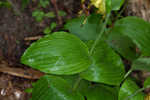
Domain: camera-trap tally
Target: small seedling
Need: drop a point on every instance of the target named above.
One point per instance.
(50, 15)
(39, 15)
(61, 13)
(44, 3)
(49, 29)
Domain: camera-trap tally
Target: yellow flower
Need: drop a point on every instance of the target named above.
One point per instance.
(147, 97)
(100, 4)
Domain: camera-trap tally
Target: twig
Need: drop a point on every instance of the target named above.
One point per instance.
(19, 72)
(128, 73)
(56, 9)
(100, 34)
(76, 84)
(32, 38)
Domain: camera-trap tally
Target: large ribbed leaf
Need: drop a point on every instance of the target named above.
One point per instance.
(107, 66)
(128, 91)
(59, 53)
(82, 85)
(54, 88)
(138, 30)
(72, 79)
(101, 92)
(142, 63)
(85, 28)
(122, 44)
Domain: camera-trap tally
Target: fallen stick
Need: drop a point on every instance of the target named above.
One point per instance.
(19, 72)
(32, 38)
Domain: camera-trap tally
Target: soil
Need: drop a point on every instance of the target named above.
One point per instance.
(17, 32)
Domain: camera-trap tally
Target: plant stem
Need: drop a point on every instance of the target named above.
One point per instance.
(128, 73)
(76, 84)
(93, 46)
(140, 90)
(100, 34)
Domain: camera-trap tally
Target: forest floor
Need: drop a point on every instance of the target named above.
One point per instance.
(17, 32)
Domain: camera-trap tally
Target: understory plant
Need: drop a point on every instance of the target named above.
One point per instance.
(40, 15)
(86, 63)
(5, 4)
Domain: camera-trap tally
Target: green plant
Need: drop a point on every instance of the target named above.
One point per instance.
(44, 3)
(5, 4)
(61, 13)
(24, 3)
(86, 65)
(49, 29)
(50, 15)
(39, 15)
(41, 3)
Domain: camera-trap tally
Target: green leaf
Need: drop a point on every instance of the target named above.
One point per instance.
(47, 30)
(71, 79)
(86, 28)
(147, 83)
(122, 44)
(25, 3)
(54, 88)
(50, 15)
(60, 53)
(44, 3)
(107, 66)
(108, 5)
(5, 4)
(101, 92)
(141, 64)
(138, 30)
(128, 89)
(116, 4)
(82, 86)
(61, 13)
(38, 14)
(28, 90)
(53, 25)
